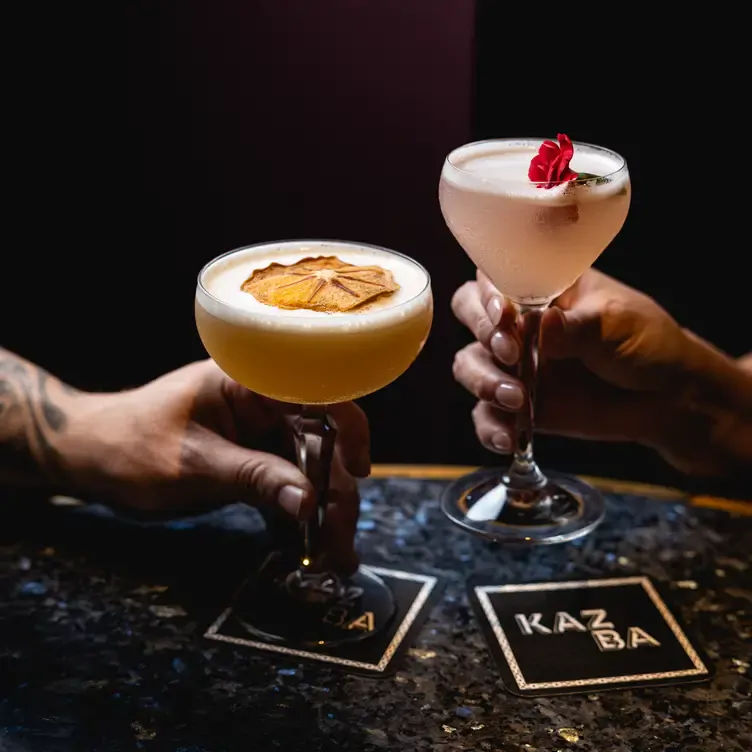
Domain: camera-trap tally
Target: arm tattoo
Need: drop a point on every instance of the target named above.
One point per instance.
(30, 420)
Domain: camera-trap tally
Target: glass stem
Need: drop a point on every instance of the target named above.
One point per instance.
(315, 435)
(524, 473)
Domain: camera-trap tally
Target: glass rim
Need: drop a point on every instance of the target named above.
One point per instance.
(312, 241)
(609, 176)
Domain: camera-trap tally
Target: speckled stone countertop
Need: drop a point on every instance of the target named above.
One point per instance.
(97, 654)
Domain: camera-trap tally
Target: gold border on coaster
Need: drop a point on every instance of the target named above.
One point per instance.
(429, 583)
(483, 592)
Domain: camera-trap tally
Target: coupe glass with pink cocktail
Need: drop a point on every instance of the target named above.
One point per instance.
(533, 215)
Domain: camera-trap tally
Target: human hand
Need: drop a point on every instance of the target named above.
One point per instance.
(194, 439)
(612, 365)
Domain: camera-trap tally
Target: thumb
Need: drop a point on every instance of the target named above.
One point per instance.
(567, 333)
(260, 479)
(557, 340)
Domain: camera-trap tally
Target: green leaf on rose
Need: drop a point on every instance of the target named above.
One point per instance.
(586, 178)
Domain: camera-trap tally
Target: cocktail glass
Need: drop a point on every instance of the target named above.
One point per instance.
(314, 362)
(533, 241)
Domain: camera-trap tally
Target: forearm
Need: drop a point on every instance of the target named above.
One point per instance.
(34, 416)
(713, 411)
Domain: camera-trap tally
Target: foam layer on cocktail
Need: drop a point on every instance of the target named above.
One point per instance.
(226, 299)
(501, 167)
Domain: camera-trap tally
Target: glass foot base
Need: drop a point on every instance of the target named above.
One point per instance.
(280, 606)
(483, 503)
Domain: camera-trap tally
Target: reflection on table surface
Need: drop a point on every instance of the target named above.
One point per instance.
(101, 623)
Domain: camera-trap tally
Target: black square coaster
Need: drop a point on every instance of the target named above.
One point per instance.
(580, 636)
(378, 656)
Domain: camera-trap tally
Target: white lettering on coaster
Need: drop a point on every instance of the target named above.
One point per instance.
(597, 618)
(564, 622)
(637, 636)
(529, 623)
(602, 630)
(607, 640)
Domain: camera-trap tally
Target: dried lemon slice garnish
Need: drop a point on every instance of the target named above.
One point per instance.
(319, 284)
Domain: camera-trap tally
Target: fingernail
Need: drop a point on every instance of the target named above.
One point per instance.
(502, 442)
(493, 311)
(505, 348)
(510, 396)
(290, 498)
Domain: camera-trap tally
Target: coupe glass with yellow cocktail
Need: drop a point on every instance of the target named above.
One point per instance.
(313, 323)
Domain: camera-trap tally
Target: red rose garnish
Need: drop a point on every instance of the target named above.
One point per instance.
(550, 166)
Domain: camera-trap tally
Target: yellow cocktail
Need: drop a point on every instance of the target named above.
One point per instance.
(313, 356)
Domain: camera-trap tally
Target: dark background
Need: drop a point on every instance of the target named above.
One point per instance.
(151, 136)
